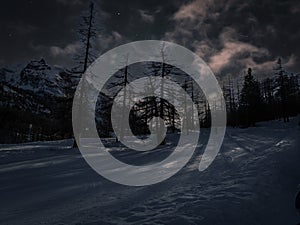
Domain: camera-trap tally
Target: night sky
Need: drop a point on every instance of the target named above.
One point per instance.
(229, 35)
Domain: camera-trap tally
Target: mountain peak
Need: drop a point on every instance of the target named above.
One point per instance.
(38, 64)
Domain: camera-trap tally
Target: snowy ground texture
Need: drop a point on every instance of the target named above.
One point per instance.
(253, 181)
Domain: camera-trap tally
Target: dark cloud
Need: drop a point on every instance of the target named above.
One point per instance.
(229, 34)
(232, 35)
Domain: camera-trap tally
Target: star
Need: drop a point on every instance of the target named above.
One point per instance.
(9, 35)
(118, 14)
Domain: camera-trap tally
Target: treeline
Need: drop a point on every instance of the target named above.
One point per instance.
(246, 103)
(26, 116)
(276, 97)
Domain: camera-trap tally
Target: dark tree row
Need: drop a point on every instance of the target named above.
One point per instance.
(276, 97)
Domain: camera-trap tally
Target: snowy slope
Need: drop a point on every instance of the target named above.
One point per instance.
(252, 181)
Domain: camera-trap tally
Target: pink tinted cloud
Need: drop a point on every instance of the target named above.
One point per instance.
(192, 10)
(231, 49)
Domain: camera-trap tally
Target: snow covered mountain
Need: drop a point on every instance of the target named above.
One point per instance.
(39, 95)
(34, 86)
(39, 77)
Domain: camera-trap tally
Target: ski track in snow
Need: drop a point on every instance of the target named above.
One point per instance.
(252, 181)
